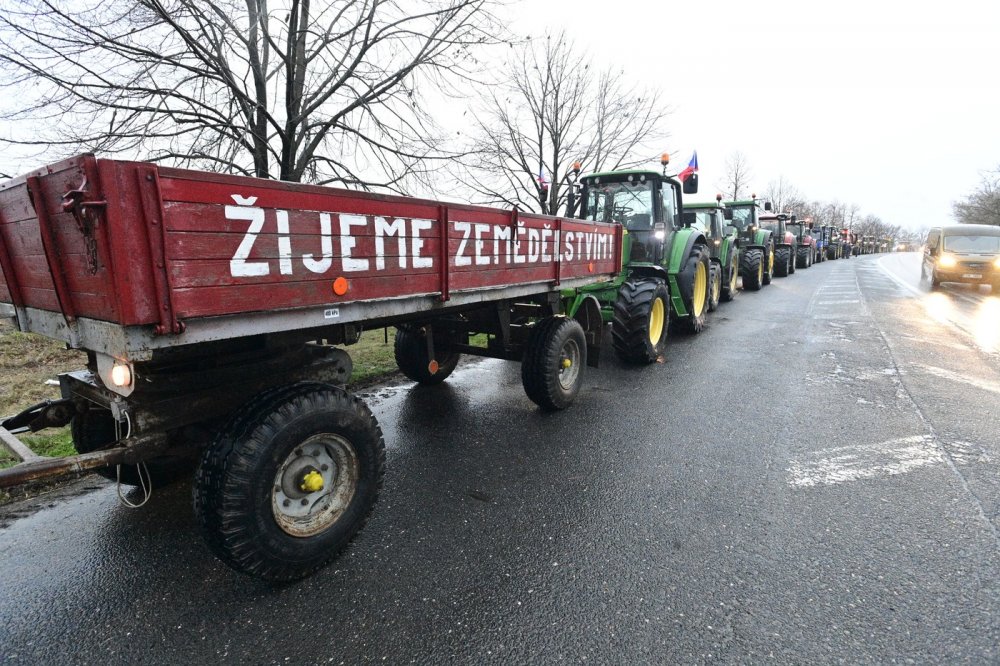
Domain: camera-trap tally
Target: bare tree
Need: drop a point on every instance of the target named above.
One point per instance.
(982, 206)
(784, 196)
(321, 90)
(736, 181)
(554, 110)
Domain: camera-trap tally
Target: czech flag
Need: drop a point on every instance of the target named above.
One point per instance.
(691, 168)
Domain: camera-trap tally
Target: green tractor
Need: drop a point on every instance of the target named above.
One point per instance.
(666, 265)
(755, 242)
(710, 218)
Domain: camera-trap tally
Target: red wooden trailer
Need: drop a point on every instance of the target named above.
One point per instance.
(214, 310)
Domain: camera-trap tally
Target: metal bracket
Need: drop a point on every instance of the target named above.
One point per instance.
(87, 215)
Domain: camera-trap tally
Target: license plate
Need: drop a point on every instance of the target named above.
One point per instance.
(972, 276)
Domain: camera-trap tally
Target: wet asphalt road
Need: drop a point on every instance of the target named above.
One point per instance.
(812, 479)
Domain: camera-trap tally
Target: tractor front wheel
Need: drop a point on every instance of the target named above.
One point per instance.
(782, 261)
(715, 287)
(641, 315)
(693, 282)
(729, 290)
(554, 358)
(752, 270)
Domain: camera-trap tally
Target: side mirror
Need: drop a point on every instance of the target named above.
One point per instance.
(727, 213)
(767, 205)
(691, 184)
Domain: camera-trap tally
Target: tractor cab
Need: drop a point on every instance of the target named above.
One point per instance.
(646, 203)
(744, 215)
(710, 219)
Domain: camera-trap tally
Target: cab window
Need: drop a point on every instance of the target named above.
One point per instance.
(630, 204)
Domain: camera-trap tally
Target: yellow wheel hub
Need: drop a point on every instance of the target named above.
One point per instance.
(567, 363)
(312, 482)
(700, 290)
(657, 320)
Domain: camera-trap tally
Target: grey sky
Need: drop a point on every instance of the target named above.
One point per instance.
(893, 106)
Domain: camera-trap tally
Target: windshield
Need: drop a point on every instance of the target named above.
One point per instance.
(795, 229)
(972, 244)
(630, 204)
(701, 219)
(770, 224)
(742, 216)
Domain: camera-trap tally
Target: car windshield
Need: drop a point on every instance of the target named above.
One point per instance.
(972, 244)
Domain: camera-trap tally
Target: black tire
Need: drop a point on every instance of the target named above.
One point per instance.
(752, 269)
(791, 260)
(237, 487)
(781, 261)
(714, 286)
(554, 359)
(687, 281)
(94, 429)
(802, 257)
(410, 349)
(731, 286)
(769, 262)
(639, 326)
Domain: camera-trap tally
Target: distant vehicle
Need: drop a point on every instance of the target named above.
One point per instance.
(968, 253)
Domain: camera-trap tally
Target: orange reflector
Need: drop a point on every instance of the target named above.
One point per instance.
(340, 286)
(590, 267)
(433, 367)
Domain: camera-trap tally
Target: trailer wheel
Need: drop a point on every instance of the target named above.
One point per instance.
(729, 290)
(554, 358)
(714, 286)
(410, 350)
(752, 269)
(693, 283)
(781, 261)
(94, 429)
(290, 480)
(641, 316)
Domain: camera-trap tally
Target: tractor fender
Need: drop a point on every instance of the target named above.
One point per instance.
(649, 271)
(587, 312)
(788, 245)
(680, 251)
(762, 248)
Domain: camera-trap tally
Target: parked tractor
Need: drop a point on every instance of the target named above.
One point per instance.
(783, 241)
(666, 265)
(755, 243)
(820, 241)
(722, 240)
(805, 254)
(833, 243)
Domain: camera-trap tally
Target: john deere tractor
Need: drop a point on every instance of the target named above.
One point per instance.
(755, 242)
(710, 219)
(666, 265)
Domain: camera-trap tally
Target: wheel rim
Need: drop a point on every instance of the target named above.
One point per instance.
(657, 320)
(732, 278)
(700, 290)
(770, 262)
(760, 272)
(314, 485)
(717, 288)
(569, 364)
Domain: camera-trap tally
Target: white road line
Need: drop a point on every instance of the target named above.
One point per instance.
(992, 387)
(867, 461)
(835, 302)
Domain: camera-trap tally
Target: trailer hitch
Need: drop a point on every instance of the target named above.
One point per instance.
(47, 414)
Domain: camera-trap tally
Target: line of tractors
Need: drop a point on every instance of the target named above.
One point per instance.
(680, 260)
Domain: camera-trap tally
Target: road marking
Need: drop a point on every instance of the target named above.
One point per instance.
(992, 387)
(828, 467)
(835, 302)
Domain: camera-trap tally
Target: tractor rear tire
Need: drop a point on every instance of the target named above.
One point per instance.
(714, 286)
(781, 261)
(730, 288)
(752, 270)
(554, 359)
(791, 261)
(94, 429)
(410, 350)
(250, 492)
(693, 282)
(641, 316)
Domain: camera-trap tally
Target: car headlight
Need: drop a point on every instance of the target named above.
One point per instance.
(947, 261)
(996, 263)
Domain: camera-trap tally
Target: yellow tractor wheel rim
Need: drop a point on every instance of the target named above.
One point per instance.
(770, 262)
(700, 290)
(657, 320)
(717, 288)
(760, 272)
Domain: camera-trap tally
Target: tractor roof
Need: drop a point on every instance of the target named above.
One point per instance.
(741, 202)
(705, 205)
(624, 173)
